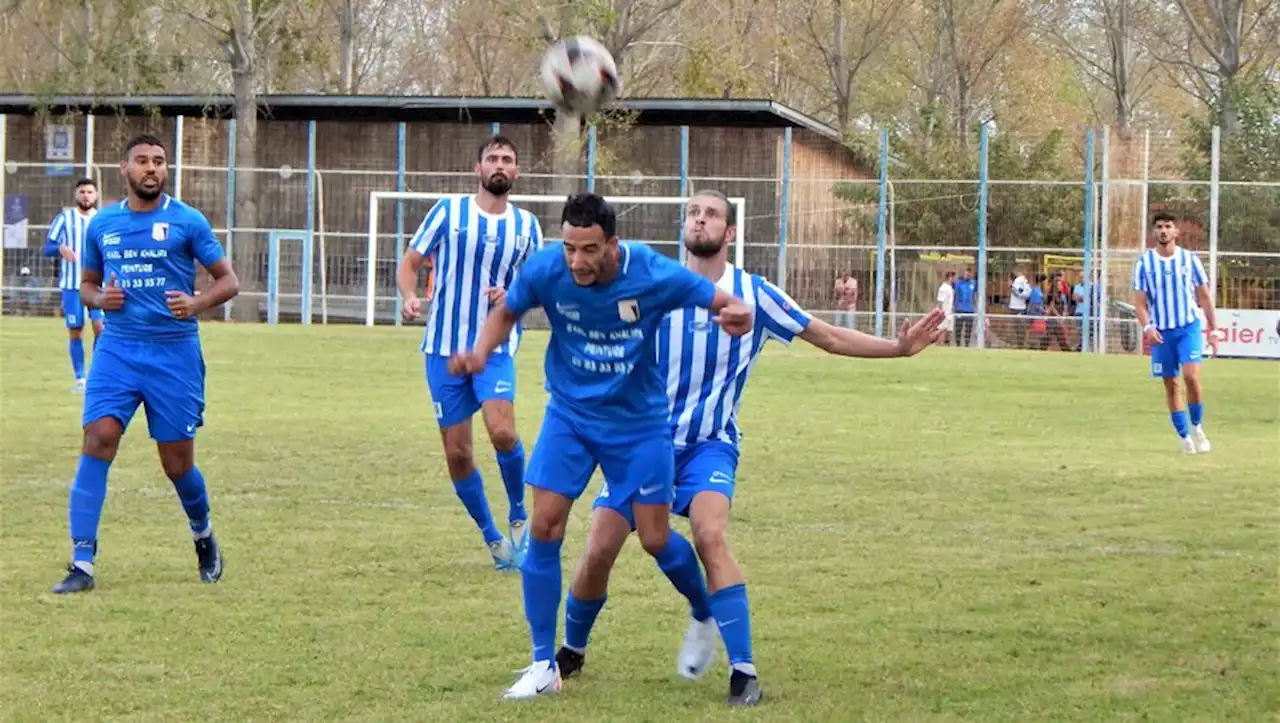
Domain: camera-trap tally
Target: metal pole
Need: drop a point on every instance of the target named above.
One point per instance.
(231, 202)
(402, 133)
(782, 211)
(308, 243)
(591, 158)
(1104, 243)
(881, 221)
(684, 187)
(88, 146)
(1146, 188)
(1087, 279)
(893, 268)
(983, 189)
(1215, 188)
(177, 157)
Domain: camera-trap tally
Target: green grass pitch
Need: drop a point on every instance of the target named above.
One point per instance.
(986, 536)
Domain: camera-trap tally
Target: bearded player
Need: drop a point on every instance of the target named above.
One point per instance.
(145, 249)
(705, 371)
(475, 245)
(66, 240)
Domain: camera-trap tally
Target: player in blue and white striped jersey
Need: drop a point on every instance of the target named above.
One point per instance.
(706, 371)
(1171, 293)
(476, 245)
(66, 239)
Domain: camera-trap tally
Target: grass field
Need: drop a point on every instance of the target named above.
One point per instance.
(961, 536)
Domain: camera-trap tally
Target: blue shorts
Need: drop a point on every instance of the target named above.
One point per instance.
(637, 470)
(167, 377)
(74, 311)
(456, 399)
(1184, 345)
(703, 467)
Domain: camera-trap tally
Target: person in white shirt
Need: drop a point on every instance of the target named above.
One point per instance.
(947, 302)
(1020, 291)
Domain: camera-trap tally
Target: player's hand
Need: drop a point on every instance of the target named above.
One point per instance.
(181, 305)
(466, 363)
(110, 297)
(1152, 336)
(913, 338)
(411, 308)
(67, 254)
(496, 295)
(1213, 342)
(735, 319)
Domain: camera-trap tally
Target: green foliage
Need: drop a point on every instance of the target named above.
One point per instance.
(1248, 216)
(935, 191)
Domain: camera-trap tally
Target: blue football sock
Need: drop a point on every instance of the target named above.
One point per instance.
(471, 492)
(1179, 419)
(88, 492)
(195, 500)
(511, 464)
(76, 348)
(579, 617)
(679, 563)
(733, 615)
(540, 578)
(1197, 413)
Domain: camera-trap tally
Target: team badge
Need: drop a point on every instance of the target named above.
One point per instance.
(159, 231)
(629, 310)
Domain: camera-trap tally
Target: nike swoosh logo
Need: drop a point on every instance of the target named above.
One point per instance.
(726, 623)
(649, 490)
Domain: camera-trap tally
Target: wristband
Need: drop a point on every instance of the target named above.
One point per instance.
(1149, 327)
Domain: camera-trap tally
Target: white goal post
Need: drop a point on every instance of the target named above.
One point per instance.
(376, 197)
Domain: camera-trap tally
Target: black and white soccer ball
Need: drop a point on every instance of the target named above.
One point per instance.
(579, 75)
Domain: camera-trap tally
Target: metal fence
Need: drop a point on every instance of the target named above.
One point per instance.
(895, 237)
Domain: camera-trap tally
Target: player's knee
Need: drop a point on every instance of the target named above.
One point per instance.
(503, 437)
(102, 439)
(457, 454)
(75, 333)
(653, 540)
(176, 462)
(710, 541)
(546, 528)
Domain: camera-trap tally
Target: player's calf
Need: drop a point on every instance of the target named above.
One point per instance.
(178, 461)
(708, 518)
(588, 591)
(500, 422)
(87, 496)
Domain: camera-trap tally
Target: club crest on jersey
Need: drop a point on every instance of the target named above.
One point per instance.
(159, 231)
(629, 310)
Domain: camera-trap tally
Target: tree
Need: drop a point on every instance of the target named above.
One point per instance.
(1207, 44)
(1100, 38)
(843, 37)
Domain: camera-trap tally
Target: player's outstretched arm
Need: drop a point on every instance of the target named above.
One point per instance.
(912, 339)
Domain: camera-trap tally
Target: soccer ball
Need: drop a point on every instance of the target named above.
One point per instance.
(579, 75)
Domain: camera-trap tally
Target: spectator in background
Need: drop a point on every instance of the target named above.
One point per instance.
(1019, 292)
(966, 294)
(1083, 299)
(947, 302)
(1057, 308)
(846, 300)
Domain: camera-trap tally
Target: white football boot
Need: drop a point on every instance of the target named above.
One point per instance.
(1188, 447)
(535, 680)
(1200, 440)
(699, 648)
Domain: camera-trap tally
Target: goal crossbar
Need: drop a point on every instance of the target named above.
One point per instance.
(377, 196)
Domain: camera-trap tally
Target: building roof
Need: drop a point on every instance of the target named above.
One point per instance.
(754, 113)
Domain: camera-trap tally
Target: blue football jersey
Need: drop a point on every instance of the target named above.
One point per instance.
(601, 364)
(150, 253)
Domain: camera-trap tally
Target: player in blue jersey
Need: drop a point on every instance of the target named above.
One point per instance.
(605, 302)
(476, 245)
(66, 240)
(146, 249)
(1171, 293)
(704, 372)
